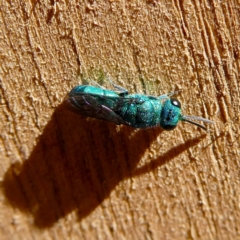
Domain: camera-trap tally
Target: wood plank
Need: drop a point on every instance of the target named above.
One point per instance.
(68, 177)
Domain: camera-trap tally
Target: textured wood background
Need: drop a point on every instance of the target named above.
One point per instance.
(67, 177)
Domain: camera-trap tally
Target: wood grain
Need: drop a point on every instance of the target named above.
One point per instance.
(67, 177)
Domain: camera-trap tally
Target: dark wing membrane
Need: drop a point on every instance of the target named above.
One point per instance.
(88, 105)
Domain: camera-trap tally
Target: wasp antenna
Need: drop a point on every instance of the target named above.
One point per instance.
(197, 119)
(196, 124)
(189, 118)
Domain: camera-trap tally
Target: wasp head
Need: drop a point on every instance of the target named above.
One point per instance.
(171, 114)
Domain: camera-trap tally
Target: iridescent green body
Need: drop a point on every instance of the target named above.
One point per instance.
(136, 110)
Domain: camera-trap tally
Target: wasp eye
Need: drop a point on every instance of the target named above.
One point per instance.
(175, 103)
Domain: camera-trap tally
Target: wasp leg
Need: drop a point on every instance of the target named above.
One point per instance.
(122, 91)
(97, 84)
(168, 95)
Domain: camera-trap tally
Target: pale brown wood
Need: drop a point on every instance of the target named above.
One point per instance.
(67, 177)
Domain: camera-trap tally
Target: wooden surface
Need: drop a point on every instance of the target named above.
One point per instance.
(67, 177)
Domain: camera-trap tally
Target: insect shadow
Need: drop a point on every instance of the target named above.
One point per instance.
(76, 164)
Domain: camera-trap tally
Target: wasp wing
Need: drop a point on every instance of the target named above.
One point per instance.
(88, 105)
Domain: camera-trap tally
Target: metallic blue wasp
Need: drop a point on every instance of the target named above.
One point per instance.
(136, 110)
